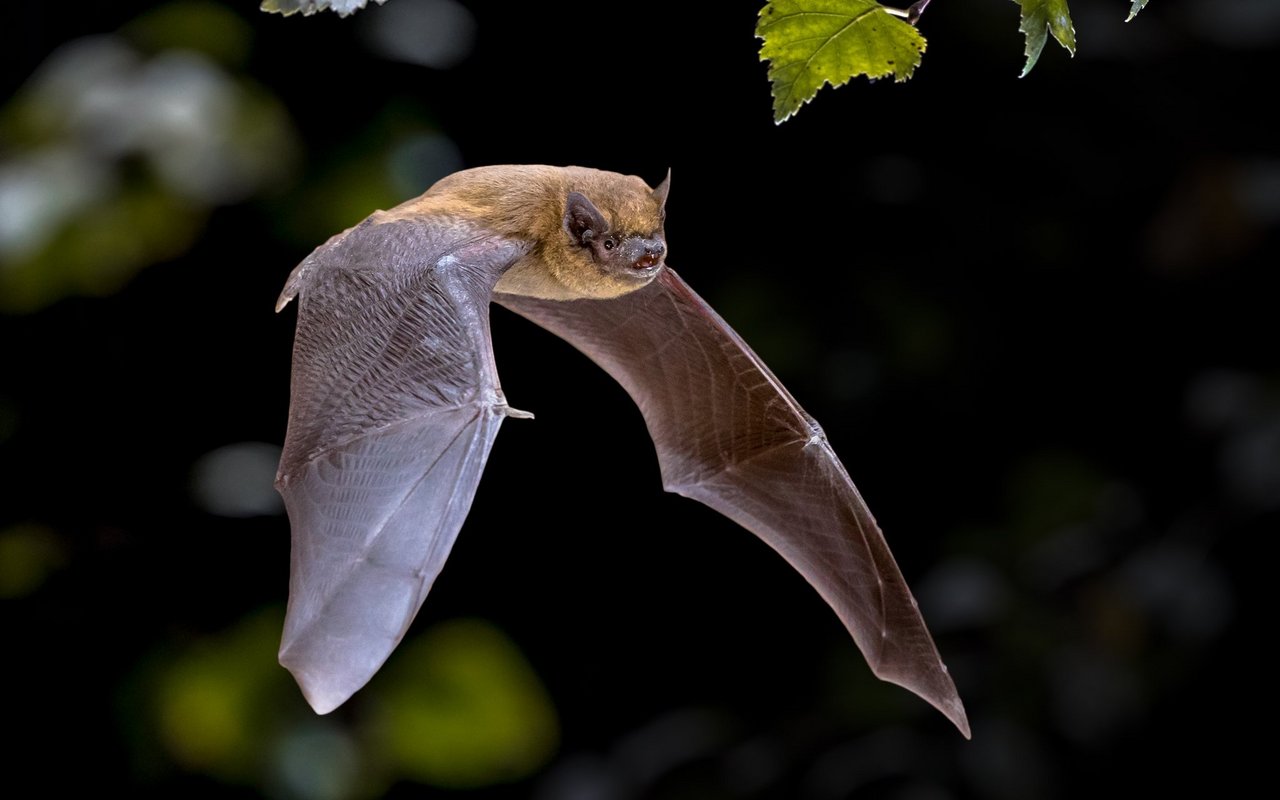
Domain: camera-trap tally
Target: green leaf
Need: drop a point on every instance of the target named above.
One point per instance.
(309, 7)
(1040, 18)
(1137, 6)
(809, 43)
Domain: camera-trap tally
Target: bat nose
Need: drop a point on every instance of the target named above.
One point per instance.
(653, 252)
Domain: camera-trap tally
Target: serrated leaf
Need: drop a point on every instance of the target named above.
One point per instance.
(1039, 19)
(309, 7)
(809, 43)
(1137, 6)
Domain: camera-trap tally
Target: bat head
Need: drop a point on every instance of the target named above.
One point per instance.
(594, 234)
(621, 241)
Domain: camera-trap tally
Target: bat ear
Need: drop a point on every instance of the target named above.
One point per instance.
(582, 219)
(660, 193)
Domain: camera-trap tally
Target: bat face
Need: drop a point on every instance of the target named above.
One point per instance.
(632, 258)
(396, 402)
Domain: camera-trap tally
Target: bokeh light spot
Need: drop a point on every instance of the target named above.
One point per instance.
(461, 707)
(29, 554)
(238, 480)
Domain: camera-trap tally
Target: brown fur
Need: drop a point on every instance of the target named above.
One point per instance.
(528, 203)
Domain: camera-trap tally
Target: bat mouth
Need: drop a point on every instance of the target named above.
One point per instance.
(642, 272)
(640, 258)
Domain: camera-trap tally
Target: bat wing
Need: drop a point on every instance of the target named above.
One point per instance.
(729, 435)
(394, 405)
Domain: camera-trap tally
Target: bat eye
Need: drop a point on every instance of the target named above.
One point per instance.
(608, 244)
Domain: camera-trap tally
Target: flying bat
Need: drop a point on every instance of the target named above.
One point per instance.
(395, 403)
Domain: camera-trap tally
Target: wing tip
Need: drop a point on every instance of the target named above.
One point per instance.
(322, 692)
(322, 704)
(326, 682)
(953, 710)
(938, 690)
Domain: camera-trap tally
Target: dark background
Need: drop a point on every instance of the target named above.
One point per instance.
(1036, 317)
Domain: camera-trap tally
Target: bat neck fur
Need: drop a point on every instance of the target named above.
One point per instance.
(527, 203)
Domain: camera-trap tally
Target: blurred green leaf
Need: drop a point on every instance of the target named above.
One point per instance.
(342, 194)
(1039, 19)
(1053, 489)
(204, 27)
(211, 702)
(460, 707)
(809, 43)
(309, 7)
(116, 159)
(98, 250)
(29, 554)
(1137, 6)
(376, 170)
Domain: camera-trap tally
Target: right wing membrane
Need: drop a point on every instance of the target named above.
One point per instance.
(729, 435)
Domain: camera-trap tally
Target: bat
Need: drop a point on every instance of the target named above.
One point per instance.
(395, 403)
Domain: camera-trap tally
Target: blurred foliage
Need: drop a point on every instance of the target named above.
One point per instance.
(462, 708)
(199, 26)
(457, 706)
(115, 155)
(29, 554)
(1050, 490)
(398, 154)
(213, 701)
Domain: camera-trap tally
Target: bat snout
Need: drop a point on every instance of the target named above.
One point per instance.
(649, 256)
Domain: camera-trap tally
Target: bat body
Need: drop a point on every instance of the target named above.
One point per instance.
(396, 402)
